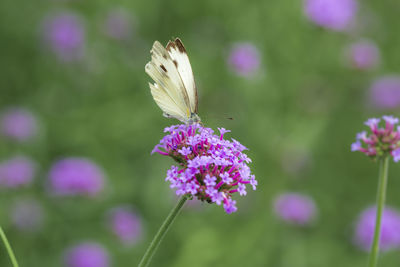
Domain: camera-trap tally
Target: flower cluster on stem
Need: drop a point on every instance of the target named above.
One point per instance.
(382, 141)
(210, 168)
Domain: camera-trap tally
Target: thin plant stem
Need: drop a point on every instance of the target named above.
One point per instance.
(380, 203)
(161, 232)
(8, 247)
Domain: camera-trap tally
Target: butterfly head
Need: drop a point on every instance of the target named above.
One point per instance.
(194, 118)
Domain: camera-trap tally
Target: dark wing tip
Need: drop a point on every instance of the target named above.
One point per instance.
(177, 44)
(180, 46)
(170, 45)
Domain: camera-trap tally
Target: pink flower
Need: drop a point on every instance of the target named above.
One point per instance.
(88, 254)
(295, 208)
(390, 229)
(244, 59)
(17, 171)
(76, 176)
(18, 124)
(64, 34)
(211, 168)
(337, 15)
(385, 92)
(363, 55)
(126, 225)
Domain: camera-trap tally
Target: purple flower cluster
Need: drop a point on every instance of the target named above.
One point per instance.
(126, 225)
(64, 34)
(76, 176)
(119, 24)
(18, 124)
(244, 59)
(212, 168)
(88, 254)
(382, 141)
(17, 171)
(295, 208)
(390, 229)
(332, 14)
(385, 92)
(363, 55)
(27, 215)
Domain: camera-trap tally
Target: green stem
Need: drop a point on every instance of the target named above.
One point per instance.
(161, 232)
(8, 247)
(380, 203)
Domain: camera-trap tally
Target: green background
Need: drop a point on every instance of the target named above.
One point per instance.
(305, 99)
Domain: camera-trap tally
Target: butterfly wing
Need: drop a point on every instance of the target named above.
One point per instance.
(181, 61)
(166, 103)
(168, 90)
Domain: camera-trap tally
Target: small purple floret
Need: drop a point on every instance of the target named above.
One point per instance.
(372, 123)
(212, 169)
(396, 155)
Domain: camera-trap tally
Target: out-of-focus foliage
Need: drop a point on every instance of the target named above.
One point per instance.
(298, 114)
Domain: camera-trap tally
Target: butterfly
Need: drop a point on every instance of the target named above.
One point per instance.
(173, 89)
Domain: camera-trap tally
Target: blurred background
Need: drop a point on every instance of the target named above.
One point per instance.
(79, 187)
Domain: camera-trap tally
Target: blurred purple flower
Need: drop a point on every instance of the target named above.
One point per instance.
(390, 229)
(244, 59)
(337, 15)
(295, 208)
(295, 160)
(76, 176)
(65, 36)
(126, 225)
(385, 92)
(89, 254)
(17, 171)
(27, 215)
(119, 24)
(363, 55)
(18, 124)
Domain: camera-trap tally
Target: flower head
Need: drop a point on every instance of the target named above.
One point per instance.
(17, 171)
(64, 34)
(390, 229)
(214, 169)
(384, 93)
(244, 58)
(295, 208)
(382, 141)
(76, 176)
(118, 24)
(332, 14)
(126, 225)
(363, 55)
(27, 215)
(18, 124)
(87, 254)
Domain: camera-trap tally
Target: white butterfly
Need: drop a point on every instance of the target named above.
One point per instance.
(174, 89)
